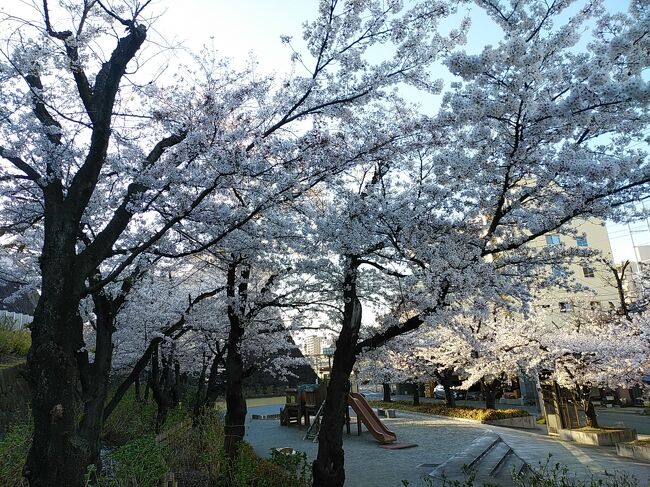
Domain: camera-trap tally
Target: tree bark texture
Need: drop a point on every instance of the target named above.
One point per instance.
(328, 468)
(490, 390)
(234, 428)
(416, 394)
(64, 445)
(445, 378)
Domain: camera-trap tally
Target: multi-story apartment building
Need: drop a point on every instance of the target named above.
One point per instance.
(313, 345)
(593, 274)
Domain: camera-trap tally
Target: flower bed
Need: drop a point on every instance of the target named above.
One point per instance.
(464, 412)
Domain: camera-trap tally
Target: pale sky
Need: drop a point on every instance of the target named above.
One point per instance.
(238, 28)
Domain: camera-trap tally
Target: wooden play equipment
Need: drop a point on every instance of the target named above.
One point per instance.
(304, 402)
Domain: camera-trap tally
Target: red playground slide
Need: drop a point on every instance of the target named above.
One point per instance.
(368, 417)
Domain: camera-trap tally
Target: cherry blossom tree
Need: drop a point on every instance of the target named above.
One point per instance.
(598, 350)
(528, 141)
(97, 171)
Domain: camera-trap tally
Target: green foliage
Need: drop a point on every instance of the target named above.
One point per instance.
(465, 412)
(557, 475)
(13, 341)
(13, 452)
(198, 446)
(131, 419)
(251, 470)
(296, 464)
(139, 463)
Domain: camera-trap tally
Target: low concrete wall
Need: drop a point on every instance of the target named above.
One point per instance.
(524, 422)
(600, 438)
(631, 450)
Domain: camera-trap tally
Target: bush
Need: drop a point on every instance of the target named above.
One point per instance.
(198, 447)
(13, 453)
(12, 340)
(251, 470)
(131, 419)
(139, 463)
(465, 412)
(557, 475)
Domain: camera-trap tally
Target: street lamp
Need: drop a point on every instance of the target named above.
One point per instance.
(329, 353)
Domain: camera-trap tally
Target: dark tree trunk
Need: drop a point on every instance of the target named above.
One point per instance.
(386, 388)
(95, 377)
(199, 400)
(58, 455)
(234, 428)
(63, 443)
(584, 399)
(64, 382)
(490, 390)
(590, 413)
(329, 467)
(416, 394)
(446, 380)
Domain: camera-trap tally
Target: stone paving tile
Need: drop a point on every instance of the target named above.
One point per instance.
(438, 439)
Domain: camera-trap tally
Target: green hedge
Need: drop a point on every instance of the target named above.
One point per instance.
(465, 412)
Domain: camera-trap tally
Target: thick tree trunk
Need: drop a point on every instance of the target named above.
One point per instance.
(416, 394)
(386, 388)
(58, 455)
(450, 398)
(490, 390)
(590, 413)
(584, 399)
(445, 378)
(328, 468)
(95, 377)
(234, 428)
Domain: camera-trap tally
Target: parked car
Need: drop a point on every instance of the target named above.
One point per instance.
(439, 393)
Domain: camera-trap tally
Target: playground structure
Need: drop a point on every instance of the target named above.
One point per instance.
(309, 400)
(367, 416)
(301, 403)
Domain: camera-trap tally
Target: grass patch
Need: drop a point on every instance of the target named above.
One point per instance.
(13, 452)
(464, 412)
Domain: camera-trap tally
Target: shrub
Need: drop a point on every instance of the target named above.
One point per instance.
(549, 474)
(466, 412)
(198, 447)
(131, 419)
(139, 463)
(251, 470)
(12, 340)
(13, 453)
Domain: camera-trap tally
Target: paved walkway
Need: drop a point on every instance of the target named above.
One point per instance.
(438, 438)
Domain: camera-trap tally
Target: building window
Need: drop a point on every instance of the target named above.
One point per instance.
(552, 240)
(588, 272)
(565, 307)
(581, 241)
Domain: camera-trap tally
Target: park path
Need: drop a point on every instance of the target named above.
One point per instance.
(438, 439)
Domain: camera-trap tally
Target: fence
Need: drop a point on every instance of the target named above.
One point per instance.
(20, 319)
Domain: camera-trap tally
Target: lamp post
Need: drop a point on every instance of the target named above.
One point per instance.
(329, 353)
